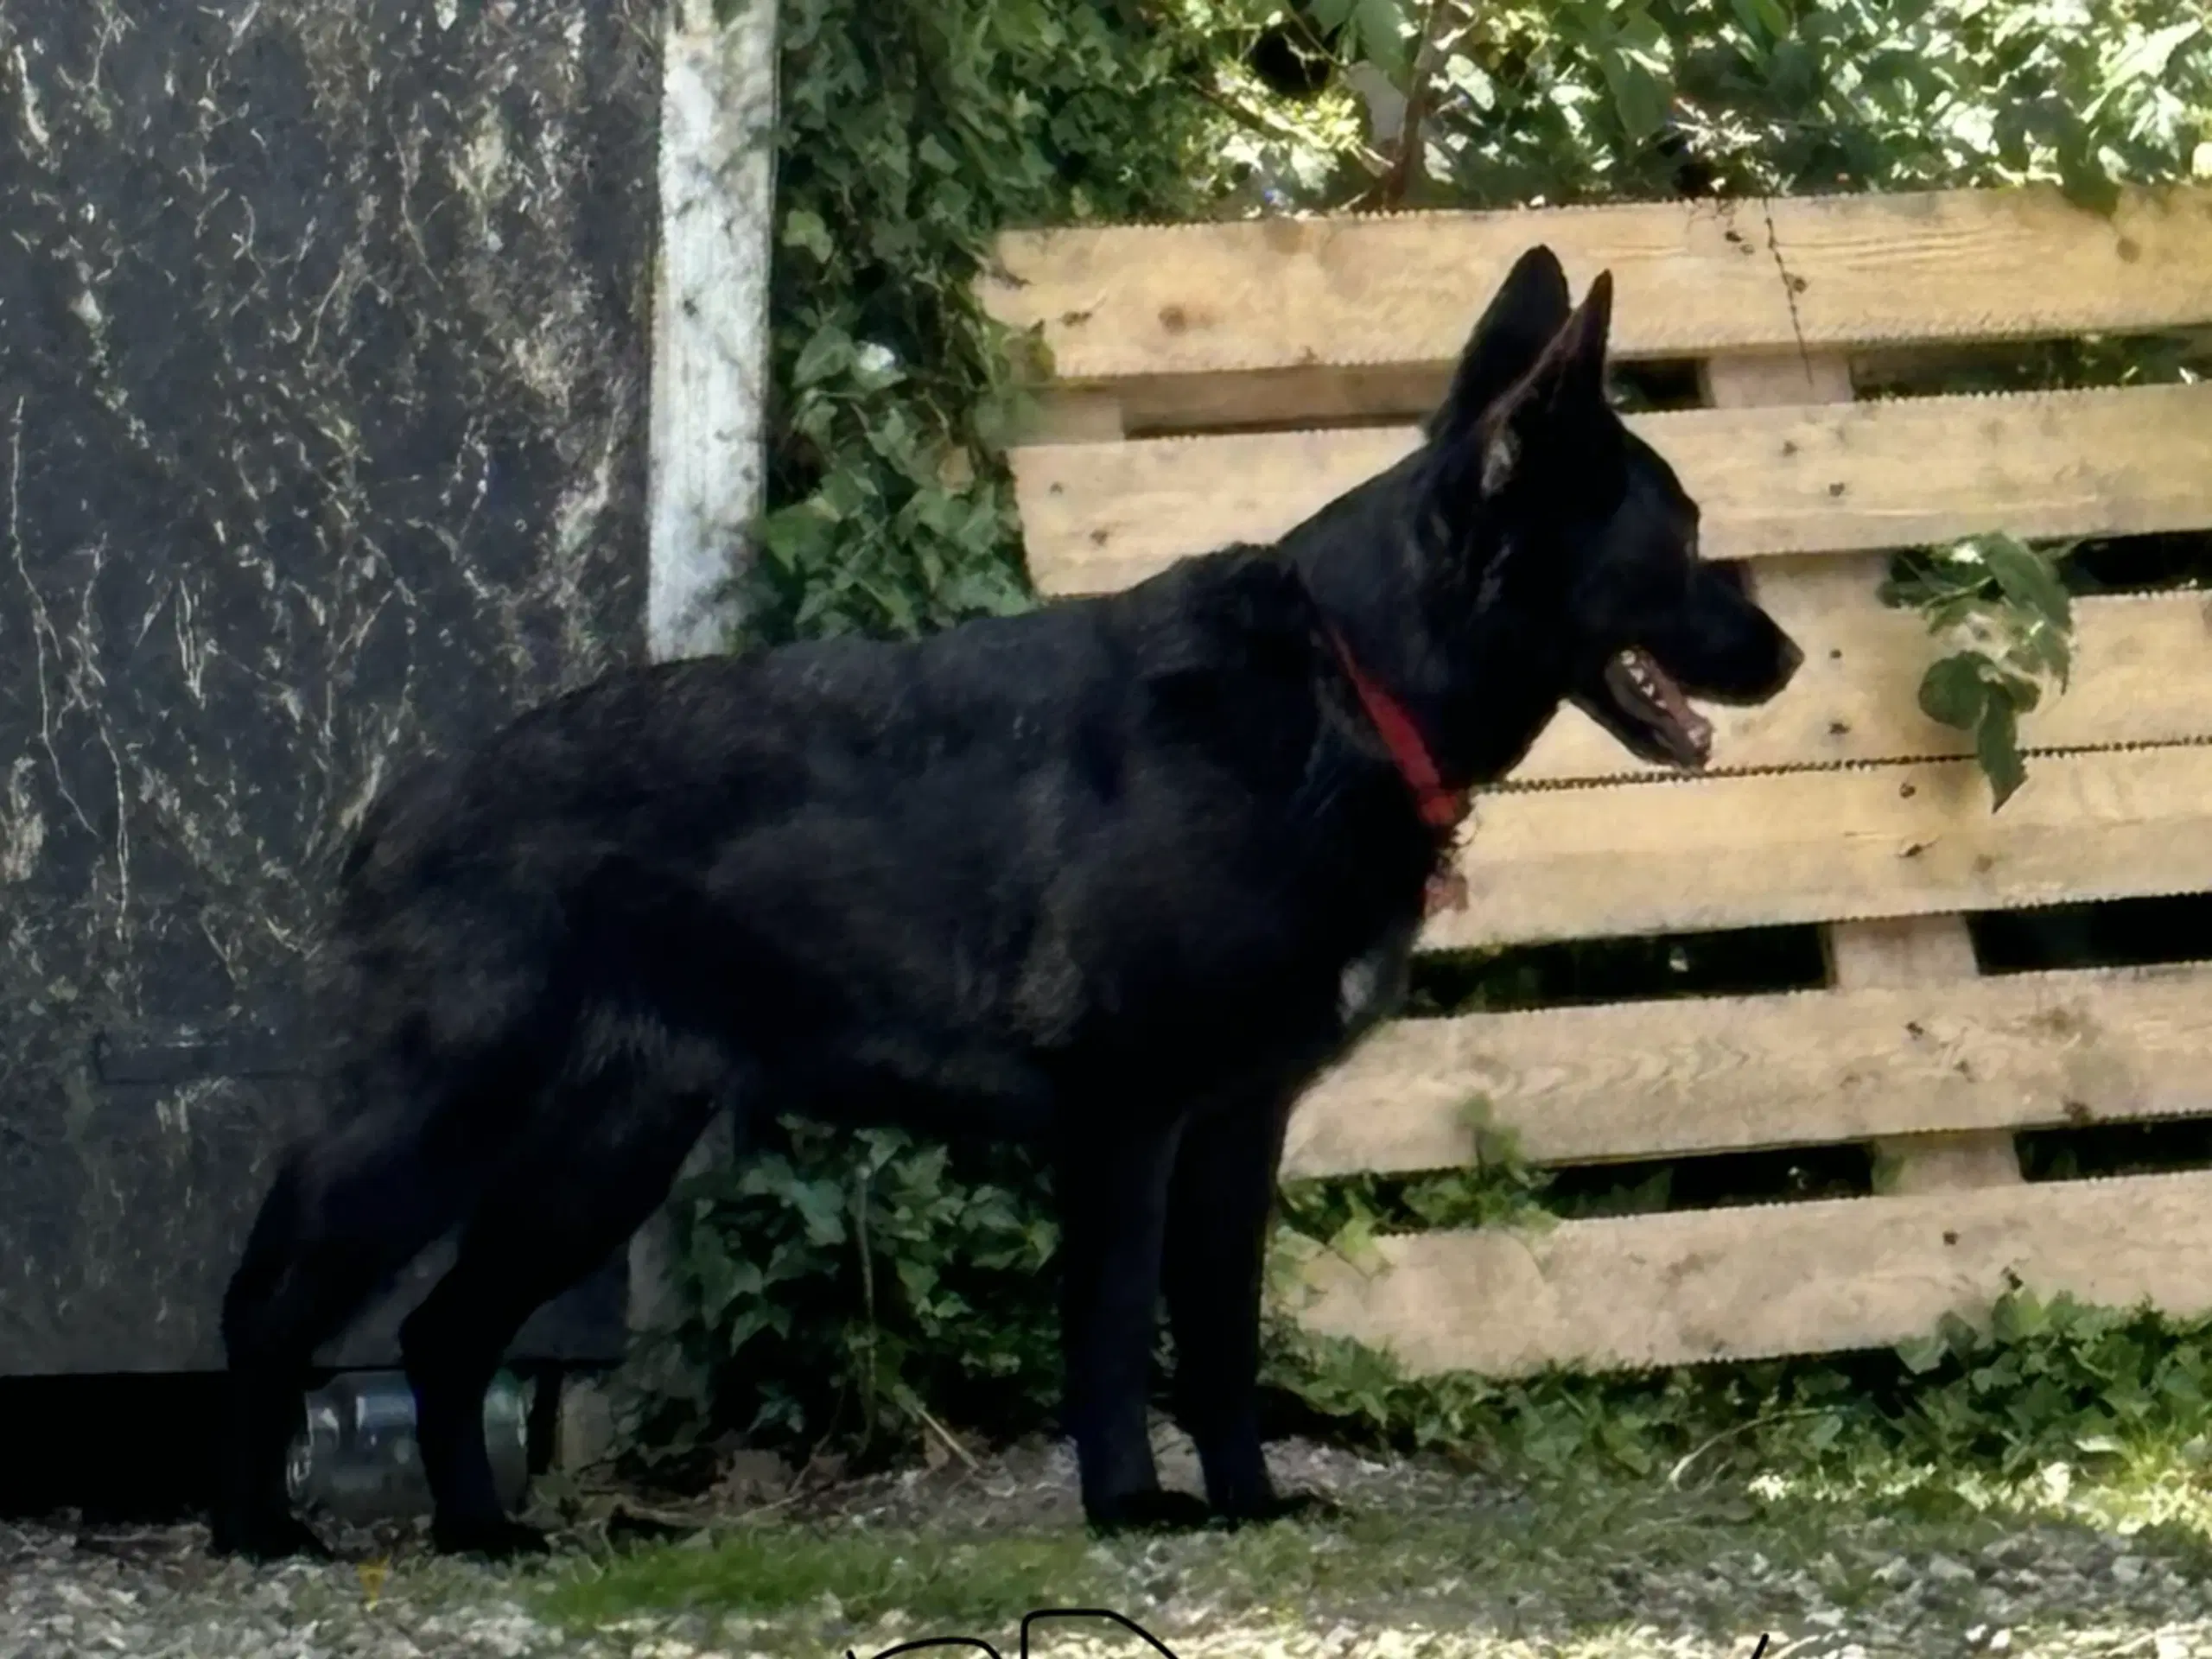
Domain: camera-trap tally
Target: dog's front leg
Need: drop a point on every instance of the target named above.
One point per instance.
(1221, 1200)
(1113, 1195)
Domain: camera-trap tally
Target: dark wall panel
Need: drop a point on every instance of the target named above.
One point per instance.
(323, 380)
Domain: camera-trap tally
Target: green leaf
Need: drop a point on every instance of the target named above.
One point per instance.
(1762, 20)
(1996, 746)
(830, 352)
(1953, 692)
(2147, 59)
(795, 537)
(1379, 27)
(2028, 580)
(1639, 96)
(2047, 650)
(805, 230)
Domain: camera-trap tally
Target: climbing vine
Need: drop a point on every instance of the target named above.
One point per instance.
(863, 1295)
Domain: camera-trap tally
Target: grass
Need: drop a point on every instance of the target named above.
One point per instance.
(1456, 1565)
(980, 1582)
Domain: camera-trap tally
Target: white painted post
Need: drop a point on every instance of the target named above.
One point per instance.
(709, 392)
(710, 315)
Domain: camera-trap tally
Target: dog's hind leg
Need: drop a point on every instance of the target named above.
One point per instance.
(1219, 1205)
(602, 1156)
(346, 1212)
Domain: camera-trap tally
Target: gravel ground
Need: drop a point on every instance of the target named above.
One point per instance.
(1420, 1561)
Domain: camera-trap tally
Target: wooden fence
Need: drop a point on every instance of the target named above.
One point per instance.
(1222, 381)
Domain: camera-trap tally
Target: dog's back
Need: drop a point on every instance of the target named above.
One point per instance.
(865, 869)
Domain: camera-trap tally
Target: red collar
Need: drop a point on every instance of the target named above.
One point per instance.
(1440, 808)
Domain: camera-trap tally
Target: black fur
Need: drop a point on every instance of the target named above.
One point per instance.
(1120, 876)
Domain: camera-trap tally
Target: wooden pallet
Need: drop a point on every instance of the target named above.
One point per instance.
(1220, 382)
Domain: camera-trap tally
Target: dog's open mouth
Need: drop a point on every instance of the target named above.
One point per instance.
(1647, 694)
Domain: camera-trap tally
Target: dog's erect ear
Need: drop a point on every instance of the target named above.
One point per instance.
(1563, 392)
(1530, 308)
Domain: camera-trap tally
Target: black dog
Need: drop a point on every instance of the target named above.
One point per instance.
(1121, 876)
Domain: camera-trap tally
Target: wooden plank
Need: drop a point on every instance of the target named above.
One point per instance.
(1914, 839)
(1097, 518)
(1900, 953)
(1923, 1162)
(1891, 952)
(1776, 380)
(1934, 953)
(1692, 278)
(1754, 1283)
(1811, 480)
(1685, 1076)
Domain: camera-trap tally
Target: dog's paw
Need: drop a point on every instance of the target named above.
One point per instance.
(1288, 1506)
(1148, 1511)
(266, 1537)
(490, 1538)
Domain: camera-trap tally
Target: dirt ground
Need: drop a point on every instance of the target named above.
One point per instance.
(1417, 1559)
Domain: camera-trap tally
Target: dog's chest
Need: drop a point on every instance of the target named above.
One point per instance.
(1372, 983)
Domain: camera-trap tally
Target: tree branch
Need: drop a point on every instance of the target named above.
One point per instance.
(1406, 163)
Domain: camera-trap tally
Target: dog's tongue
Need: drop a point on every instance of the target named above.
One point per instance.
(1644, 688)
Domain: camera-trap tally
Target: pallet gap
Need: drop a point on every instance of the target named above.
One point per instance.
(1348, 395)
(1657, 385)
(2174, 561)
(2163, 561)
(2158, 1147)
(2105, 933)
(1426, 1200)
(1736, 962)
(1721, 1180)
(2160, 358)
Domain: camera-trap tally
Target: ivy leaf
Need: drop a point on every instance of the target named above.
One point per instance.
(805, 230)
(796, 537)
(1996, 746)
(1639, 96)
(2028, 580)
(1953, 692)
(2147, 59)
(829, 351)
(2050, 652)
(716, 1272)
(2021, 691)
(1762, 17)
(1379, 26)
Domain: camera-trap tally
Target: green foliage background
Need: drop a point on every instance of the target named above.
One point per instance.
(859, 1295)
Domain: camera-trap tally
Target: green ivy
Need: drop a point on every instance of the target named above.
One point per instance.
(912, 131)
(860, 1295)
(1577, 100)
(839, 1284)
(2040, 1383)
(2006, 607)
